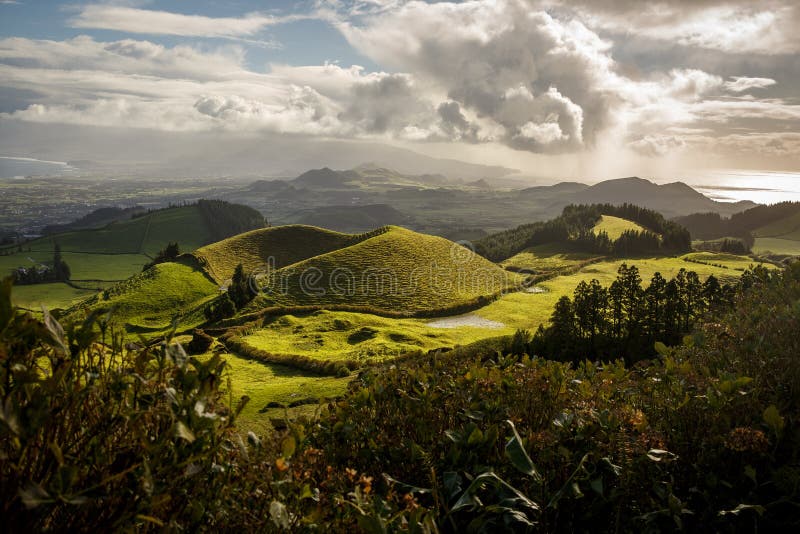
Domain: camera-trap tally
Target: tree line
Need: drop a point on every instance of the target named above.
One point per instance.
(225, 219)
(574, 230)
(625, 320)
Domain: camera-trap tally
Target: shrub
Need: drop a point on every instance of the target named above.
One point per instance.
(200, 342)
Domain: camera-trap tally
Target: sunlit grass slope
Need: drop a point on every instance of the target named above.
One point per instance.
(358, 337)
(144, 235)
(148, 302)
(51, 296)
(397, 270)
(269, 247)
(615, 226)
(779, 237)
(266, 383)
(787, 228)
(776, 245)
(547, 258)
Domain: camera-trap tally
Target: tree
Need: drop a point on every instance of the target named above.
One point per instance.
(239, 290)
(61, 270)
(654, 303)
(219, 309)
(168, 253)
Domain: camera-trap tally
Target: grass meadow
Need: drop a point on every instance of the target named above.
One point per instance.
(616, 226)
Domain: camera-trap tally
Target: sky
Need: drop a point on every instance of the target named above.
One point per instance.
(584, 88)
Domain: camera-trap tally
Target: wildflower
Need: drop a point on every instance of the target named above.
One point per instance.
(281, 465)
(366, 484)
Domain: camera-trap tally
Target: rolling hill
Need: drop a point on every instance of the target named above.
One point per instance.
(615, 226)
(151, 300)
(393, 269)
(269, 247)
(780, 237)
(772, 228)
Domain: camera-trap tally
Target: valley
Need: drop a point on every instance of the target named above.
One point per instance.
(328, 303)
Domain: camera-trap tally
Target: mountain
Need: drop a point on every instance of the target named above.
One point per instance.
(671, 200)
(115, 151)
(351, 218)
(325, 178)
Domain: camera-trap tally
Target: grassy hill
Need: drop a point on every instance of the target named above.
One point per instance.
(149, 301)
(547, 259)
(397, 270)
(615, 226)
(779, 237)
(269, 247)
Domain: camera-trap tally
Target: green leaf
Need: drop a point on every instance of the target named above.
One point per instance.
(6, 308)
(182, 431)
(405, 488)
(774, 419)
(34, 495)
(288, 446)
(519, 456)
(475, 437)
(597, 485)
(662, 349)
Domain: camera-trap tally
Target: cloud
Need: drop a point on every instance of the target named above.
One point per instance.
(656, 145)
(476, 72)
(145, 21)
(738, 84)
(509, 65)
(732, 26)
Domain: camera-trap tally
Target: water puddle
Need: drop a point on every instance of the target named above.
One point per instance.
(469, 319)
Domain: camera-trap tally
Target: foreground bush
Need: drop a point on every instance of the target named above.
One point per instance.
(704, 437)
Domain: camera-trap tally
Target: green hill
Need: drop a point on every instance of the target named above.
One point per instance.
(395, 269)
(274, 247)
(779, 237)
(149, 301)
(615, 226)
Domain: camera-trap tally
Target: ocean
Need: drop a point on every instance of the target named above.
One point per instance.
(764, 187)
(13, 167)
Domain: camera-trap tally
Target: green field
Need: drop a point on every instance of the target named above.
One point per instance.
(111, 254)
(360, 337)
(776, 245)
(615, 226)
(787, 228)
(265, 383)
(144, 235)
(781, 237)
(51, 296)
